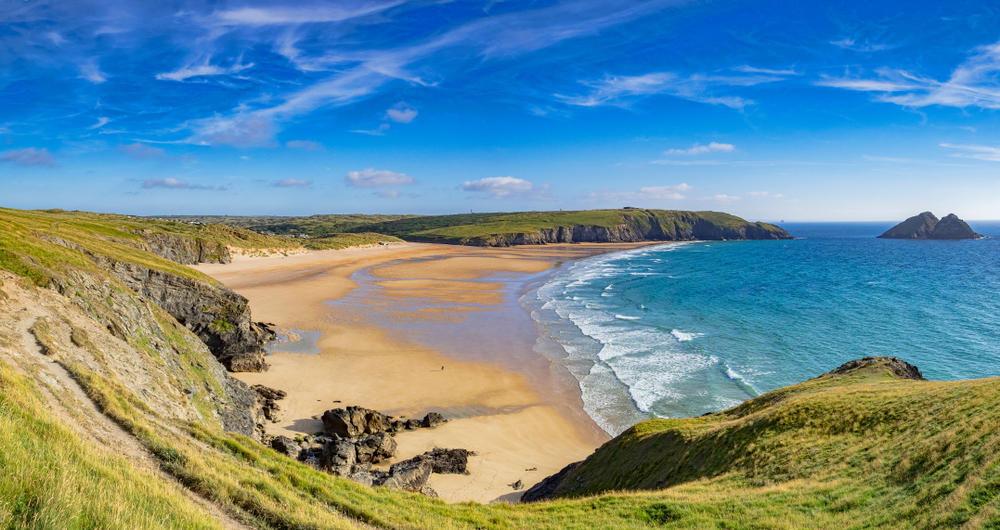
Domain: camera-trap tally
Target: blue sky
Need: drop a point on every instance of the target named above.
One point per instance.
(784, 111)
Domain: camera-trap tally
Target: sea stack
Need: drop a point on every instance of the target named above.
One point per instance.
(927, 226)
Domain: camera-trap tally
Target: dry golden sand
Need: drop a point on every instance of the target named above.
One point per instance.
(512, 419)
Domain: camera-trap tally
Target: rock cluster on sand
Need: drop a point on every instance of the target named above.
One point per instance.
(267, 401)
(355, 421)
(355, 438)
(927, 226)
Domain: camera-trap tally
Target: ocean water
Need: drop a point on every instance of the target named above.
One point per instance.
(679, 330)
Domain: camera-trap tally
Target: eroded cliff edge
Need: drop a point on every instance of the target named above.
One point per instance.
(216, 314)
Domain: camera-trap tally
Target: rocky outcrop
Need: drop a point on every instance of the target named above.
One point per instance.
(407, 476)
(267, 401)
(432, 419)
(445, 461)
(899, 369)
(357, 421)
(215, 313)
(927, 226)
(637, 229)
(951, 227)
(184, 250)
(286, 446)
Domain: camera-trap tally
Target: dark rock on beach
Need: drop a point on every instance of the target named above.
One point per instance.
(928, 226)
(408, 475)
(355, 421)
(286, 446)
(446, 461)
(432, 419)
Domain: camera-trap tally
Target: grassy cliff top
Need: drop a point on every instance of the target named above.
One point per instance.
(470, 227)
(894, 453)
(313, 225)
(29, 241)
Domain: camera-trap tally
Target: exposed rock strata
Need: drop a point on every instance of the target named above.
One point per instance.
(215, 313)
(927, 226)
(631, 231)
(183, 250)
(138, 330)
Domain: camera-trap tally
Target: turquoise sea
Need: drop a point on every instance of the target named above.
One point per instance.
(679, 330)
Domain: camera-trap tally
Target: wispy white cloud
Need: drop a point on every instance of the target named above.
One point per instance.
(293, 183)
(305, 144)
(175, 184)
(978, 152)
(201, 70)
(974, 83)
(358, 74)
(138, 150)
(866, 45)
(720, 198)
(751, 70)
(658, 193)
(29, 157)
(618, 90)
(764, 195)
(378, 131)
(55, 37)
(101, 122)
(401, 113)
(248, 130)
(283, 16)
(713, 147)
(388, 194)
(370, 178)
(894, 160)
(91, 72)
(689, 162)
(506, 188)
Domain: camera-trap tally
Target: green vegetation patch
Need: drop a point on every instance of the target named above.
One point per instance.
(478, 228)
(53, 479)
(342, 241)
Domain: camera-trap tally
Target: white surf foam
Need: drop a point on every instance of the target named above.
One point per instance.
(683, 336)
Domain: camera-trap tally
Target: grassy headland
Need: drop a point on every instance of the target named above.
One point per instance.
(861, 449)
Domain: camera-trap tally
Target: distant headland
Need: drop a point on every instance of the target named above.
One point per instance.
(927, 226)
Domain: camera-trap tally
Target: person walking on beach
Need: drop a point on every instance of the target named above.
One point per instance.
(442, 368)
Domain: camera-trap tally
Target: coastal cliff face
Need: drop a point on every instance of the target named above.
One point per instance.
(634, 230)
(214, 313)
(185, 250)
(927, 226)
(93, 326)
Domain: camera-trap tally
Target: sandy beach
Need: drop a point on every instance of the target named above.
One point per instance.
(432, 328)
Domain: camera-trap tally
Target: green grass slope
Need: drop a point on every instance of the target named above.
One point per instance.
(894, 453)
(313, 226)
(477, 228)
(52, 478)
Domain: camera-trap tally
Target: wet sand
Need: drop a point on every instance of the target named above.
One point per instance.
(421, 307)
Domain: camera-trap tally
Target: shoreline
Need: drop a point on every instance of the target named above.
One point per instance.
(516, 419)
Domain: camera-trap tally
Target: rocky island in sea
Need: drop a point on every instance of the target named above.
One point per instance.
(928, 226)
